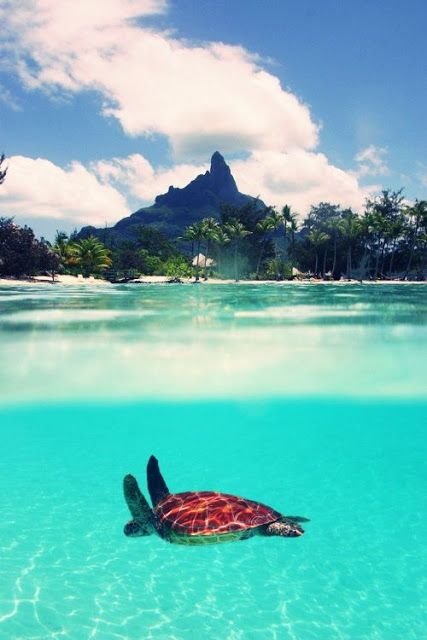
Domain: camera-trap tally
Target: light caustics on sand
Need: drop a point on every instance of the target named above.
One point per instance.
(68, 570)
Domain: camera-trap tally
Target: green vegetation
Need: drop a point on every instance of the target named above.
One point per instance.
(87, 256)
(237, 233)
(389, 240)
(21, 254)
(91, 256)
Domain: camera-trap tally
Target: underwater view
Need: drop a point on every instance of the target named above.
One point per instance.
(308, 398)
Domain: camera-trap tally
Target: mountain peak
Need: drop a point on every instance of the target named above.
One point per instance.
(213, 187)
(222, 182)
(179, 207)
(217, 161)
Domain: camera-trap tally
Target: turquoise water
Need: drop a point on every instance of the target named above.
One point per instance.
(309, 398)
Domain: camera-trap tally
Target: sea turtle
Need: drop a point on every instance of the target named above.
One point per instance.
(200, 517)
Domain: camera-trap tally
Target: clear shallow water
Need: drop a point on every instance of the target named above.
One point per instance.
(220, 341)
(351, 457)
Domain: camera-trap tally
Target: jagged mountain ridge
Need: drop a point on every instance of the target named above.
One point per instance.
(173, 211)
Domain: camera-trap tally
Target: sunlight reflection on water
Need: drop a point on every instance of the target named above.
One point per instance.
(213, 341)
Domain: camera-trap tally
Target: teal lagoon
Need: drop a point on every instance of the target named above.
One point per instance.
(309, 398)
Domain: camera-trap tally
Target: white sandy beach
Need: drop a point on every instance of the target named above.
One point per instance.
(91, 281)
(60, 279)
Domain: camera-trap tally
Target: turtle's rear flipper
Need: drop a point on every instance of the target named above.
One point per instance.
(298, 518)
(138, 505)
(156, 485)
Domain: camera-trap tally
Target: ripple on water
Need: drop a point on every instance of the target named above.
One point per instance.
(74, 319)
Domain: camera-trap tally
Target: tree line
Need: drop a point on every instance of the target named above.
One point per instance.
(389, 240)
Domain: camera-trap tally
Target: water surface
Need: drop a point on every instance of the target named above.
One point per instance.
(218, 341)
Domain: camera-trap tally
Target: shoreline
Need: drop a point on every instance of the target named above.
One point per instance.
(69, 280)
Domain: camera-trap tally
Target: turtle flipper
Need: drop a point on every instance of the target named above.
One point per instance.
(156, 485)
(142, 523)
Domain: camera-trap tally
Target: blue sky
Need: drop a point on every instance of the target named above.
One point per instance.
(103, 106)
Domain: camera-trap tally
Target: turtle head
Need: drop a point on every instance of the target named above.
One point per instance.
(285, 527)
(135, 529)
(142, 516)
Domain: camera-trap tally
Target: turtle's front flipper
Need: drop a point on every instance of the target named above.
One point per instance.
(142, 523)
(298, 518)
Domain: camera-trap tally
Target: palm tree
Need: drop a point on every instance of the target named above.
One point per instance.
(210, 227)
(287, 218)
(394, 234)
(221, 239)
(195, 233)
(236, 232)
(418, 213)
(92, 256)
(350, 228)
(367, 235)
(384, 210)
(276, 221)
(189, 235)
(293, 228)
(334, 229)
(317, 239)
(65, 250)
(263, 227)
(379, 228)
(275, 217)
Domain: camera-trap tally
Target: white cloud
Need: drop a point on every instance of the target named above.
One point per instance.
(299, 179)
(152, 82)
(371, 162)
(39, 188)
(201, 98)
(141, 179)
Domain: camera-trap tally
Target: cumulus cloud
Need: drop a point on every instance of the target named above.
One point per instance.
(371, 162)
(154, 83)
(142, 181)
(200, 97)
(39, 188)
(299, 179)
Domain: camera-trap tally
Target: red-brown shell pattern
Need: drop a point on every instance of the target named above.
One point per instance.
(204, 513)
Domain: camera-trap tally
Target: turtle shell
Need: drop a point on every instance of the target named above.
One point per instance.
(209, 513)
